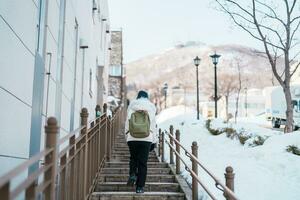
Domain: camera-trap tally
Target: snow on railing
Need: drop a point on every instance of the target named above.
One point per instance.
(228, 188)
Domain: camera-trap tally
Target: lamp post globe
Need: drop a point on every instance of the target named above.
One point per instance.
(197, 61)
(215, 60)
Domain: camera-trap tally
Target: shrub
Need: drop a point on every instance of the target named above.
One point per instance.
(207, 124)
(293, 149)
(230, 132)
(211, 130)
(243, 138)
(241, 135)
(258, 140)
(215, 131)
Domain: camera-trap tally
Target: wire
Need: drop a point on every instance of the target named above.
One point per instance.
(15, 96)
(16, 157)
(11, 28)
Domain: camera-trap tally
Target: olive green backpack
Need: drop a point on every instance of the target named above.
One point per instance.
(139, 124)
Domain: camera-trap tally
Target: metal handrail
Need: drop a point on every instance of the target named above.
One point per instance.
(69, 135)
(84, 155)
(74, 132)
(18, 169)
(191, 171)
(192, 157)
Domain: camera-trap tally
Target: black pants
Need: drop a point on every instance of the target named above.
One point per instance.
(139, 152)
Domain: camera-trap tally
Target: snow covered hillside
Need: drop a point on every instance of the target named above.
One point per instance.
(264, 172)
(175, 66)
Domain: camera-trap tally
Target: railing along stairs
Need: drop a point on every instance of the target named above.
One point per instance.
(175, 147)
(70, 165)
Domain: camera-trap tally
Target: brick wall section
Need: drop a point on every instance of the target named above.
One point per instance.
(115, 83)
(115, 87)
(116, 48)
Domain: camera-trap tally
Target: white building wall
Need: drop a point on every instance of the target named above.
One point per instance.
(296, 77)
(18, 33)
(255, 104)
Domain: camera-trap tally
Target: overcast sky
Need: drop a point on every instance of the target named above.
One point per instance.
(151, 26)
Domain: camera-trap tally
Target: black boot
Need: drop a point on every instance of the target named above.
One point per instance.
(139, 190)
(131, 180)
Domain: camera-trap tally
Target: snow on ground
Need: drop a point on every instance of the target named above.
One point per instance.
(266, 172)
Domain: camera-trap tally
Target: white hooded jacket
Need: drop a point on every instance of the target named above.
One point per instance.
(142, 104)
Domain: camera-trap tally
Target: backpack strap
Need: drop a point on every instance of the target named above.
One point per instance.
(146, 112)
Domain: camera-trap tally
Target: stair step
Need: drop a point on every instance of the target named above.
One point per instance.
(149, 187)
(124, 177)
(118, 159)
(128, 156)
(121, 148)
(122, 151)
(126, 171)
(126, 164)
(134, 196)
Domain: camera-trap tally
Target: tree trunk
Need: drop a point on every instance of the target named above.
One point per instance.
(226, 102)
(288, 96)
(237, 106)
(289, 109)
(238, 94)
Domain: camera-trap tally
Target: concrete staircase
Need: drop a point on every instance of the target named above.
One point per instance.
(161, 183)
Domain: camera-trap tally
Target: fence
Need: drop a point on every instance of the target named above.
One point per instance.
(68, 171)
(175, 147)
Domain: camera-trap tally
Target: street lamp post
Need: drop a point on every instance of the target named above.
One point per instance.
(165, 93)
(246, 103)
(215, 59)
(197, 63)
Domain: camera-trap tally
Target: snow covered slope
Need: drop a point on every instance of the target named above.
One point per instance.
(266, 172)
(175, 66)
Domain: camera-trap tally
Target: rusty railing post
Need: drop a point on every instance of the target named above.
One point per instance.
(108, 137)
(91, 155)
(30, 192)
(178, 151)
(104, 143)
(229, 178)
(4, 191)
(51, 130)
(162, 146)
(84, 122)
(195, 170)
(172, 143)
(72, 179)
(159, 142)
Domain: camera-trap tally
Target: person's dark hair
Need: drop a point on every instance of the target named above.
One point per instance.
(142, 94)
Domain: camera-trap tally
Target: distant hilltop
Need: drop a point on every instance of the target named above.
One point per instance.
(189, 44)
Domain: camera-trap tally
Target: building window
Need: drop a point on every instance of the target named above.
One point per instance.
(90, 83)
(95, 10)
(115, 70)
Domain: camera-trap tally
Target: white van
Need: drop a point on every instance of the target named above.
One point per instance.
(275, 106)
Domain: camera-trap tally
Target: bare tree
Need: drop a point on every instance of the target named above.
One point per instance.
(276, 25)
(227, 85)
(239, 88)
